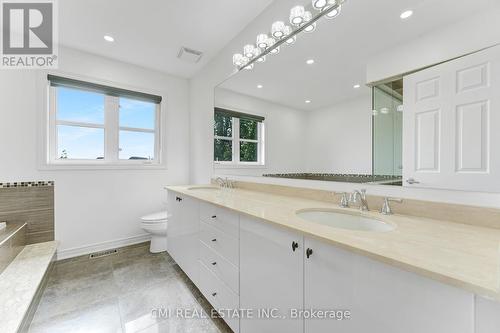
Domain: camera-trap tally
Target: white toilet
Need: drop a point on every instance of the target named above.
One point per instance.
(156, 225)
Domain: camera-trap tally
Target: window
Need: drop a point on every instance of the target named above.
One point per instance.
(238, 138)
(95, 124)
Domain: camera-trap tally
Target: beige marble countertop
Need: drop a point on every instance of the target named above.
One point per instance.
(19, 283)
(464, 256)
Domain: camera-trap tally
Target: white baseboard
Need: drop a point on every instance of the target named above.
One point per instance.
(113, 244)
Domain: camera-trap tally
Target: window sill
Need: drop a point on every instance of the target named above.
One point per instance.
(239, 166)
(83, 166)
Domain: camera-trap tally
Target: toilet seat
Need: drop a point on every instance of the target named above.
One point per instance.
(155, 217)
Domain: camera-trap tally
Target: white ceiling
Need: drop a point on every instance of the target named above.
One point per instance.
(341, 49)
(150, 33)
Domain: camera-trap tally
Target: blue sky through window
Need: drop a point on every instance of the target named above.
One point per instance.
(77, 142)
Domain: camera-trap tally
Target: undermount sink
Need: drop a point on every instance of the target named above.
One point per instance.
(340, 220)
(204, 188)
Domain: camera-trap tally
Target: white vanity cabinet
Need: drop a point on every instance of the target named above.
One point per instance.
(240, 262)
(183, 232)
(381, 298)
(270, 276)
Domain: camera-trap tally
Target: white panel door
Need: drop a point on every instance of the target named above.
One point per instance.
(451, 124)
(271, 277)
(183, 233)
(380, 298)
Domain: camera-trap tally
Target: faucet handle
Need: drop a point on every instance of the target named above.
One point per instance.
(386, 207)
(344, 200)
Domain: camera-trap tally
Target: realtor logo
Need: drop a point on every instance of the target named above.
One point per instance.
(28, 34)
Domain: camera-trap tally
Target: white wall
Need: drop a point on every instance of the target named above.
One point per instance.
(339, 138)
(284, 139)
(93, 207)
(469, 35)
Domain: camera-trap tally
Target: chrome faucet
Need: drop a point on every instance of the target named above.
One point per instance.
(386, 208)
(344, 200)
(359, 197)
(224, 183)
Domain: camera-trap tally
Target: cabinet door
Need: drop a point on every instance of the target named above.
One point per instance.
(183, 233)
(271, 277)
(381, 298)
(451, 118)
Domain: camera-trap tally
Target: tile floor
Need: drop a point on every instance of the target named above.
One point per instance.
(118, 293)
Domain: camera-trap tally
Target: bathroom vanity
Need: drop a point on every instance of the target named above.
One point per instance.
(255, 252)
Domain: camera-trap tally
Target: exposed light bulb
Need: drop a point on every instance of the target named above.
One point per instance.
(310, 28)
(356, 86)
(297, 15)
(319, 4)
(307, 101)
(238, 59)
(109, 38)
(262, 41)
(334, 12)
(261, 59)
(278, 29)
(276, 50)
(260, 86)
(248, 51)
(310, 61)
(291, 40)
(249, 67)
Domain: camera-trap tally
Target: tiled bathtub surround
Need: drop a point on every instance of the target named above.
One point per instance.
(31, 203)
(12, 241)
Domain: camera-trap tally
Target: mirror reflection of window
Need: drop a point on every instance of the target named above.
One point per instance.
(238, 138)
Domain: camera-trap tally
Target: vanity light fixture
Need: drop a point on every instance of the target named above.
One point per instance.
(406, 14)
(109, 38)
(281, 33)
(356, 86)
(310, 61)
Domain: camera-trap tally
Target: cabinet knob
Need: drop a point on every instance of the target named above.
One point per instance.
(214, 294)
(214, 216)
(214, 240)
(295, 245)
(309, 252)
(214, 263)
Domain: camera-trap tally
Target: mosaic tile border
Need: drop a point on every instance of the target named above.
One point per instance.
(28, 184)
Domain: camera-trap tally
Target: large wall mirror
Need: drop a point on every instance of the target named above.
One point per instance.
(306, 112)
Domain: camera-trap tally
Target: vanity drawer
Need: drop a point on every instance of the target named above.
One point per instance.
(219, 295)
(220, 266)
(225, 245)
(221, 218)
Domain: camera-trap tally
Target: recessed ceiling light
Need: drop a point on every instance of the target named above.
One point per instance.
(108, 38)
(356, 86)
(308, 101)
(406, 14)
(259, 86)
(310, 61)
